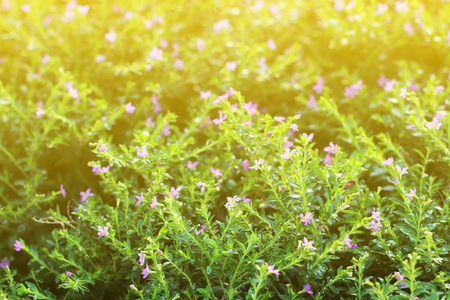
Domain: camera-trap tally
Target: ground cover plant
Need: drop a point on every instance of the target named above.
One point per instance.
(224, 149)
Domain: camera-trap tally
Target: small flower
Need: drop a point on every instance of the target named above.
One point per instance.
(156, 53)
(103, 231)
(205, 95)
(308, 289)
(246, 200)
(328, 160)
(231, 66)
(175, 192)
(376, 225)
(111, 36)
(376, 214)
(401, 7)
(245, 165)
(272, 269)
(400, 170)
(280, 119)
(178, 64)
(294, 127)
(154, 203)
(308, 244)
(332, 148)
(145, 272)
(166, 131)
(100, 58)
(220, 119)
(18, 245)
(381, 8)
(68, 274)
(192, 165)
(408, 28)
(308, 137)
(139, 199)
(348, 242)
(221, 25)
(411, 193)
(395, 181)
(200, 44)
(26, 8)
(202, 185)
(312, 103)
(434, 124)
(271, 44)
(83, 9)
(318, 87)
(142, 152)
(5, 263)
(388, 161)
(86, 195)
(39, 112)
(45, 59)
(155, 102)
(403, 92)
(307, 218)
(141, 259)
(129, 108)
(400, 277)
(63, 191)
(251, 107)
(216, 173)
(257, 163)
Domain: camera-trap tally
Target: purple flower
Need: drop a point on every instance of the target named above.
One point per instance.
(312, 103)
(395, 181)
(103, 231)
(308, 289)
(205, 95)
(231, 66)
(318, 87)
(271, 44)
(175, 192)
(141, 259)
(250, 107)
(221, 25)
(272, 269)
(220, 119)
(139, 199)
(348, 242)
(434, 124)
(328, 160)
(86, 195)
(245, 165)
(294, 127)
(307, 218)
(376, 225)
(246, 200)
(166, 131)
(153, 205)
(403, 92)
(111, 36)
(308, 244)
(68, 274)
(192, 165)
(102, 147)
(280, 119)
(178, 64)
(145, 272)
(200, 44)
(142, 152)
(63, 191)
(388, 161)
(376, 214)
(257, 163)
(308, 137)
(332, 148)
(39, 112)
(400, 170)
(18, 245)
(129, 108)
(400, 277)
(411, 193)
(100, 58)
(5, 263)
(216, 173)
(100, 169)
(156, 53)
(202, 186)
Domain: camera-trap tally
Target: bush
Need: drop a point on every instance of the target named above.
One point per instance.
(238, 150)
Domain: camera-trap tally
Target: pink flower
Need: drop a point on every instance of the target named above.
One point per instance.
(318, 87)
(39, 112)
(400, 170)
(175, 192)
(376, 225)
(403, 92)
(401, 7)
(395, 181)
(388, 161)
(408, 28)
(307, 218)
(231, 66)
(102, 147)
(220, 120)
(111, 36)
(156, 104)
(351, 91)
(100, 169)
(381, 8)
(348, 242)
(221, 25)
(26, 8)
(294, 127)
(139, 199)
(434, 124)
(216, 173)
(166, 131)
(18, 245)
(100, 58)
(332, 148)
(271, 44)
(308, 137)
(83, 9)
(250, 107)
(308, 289)
(272, 269)
(246, 200)
(411, 193)
(156, 53)
(280, 119)
(142, 152)
(63, 191)
(129, 108)
(328, 160)
(200, 44)
(202, 185)
(257, 163)
(245, 165)
(72, 91)
(86, 195)
(154, 203)
(145, 272)
(192, 165)
(103, 231)
(308, 244)
(312, 103)
(178, 64)
(141, 259)
(45, 59)
(205, 95)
